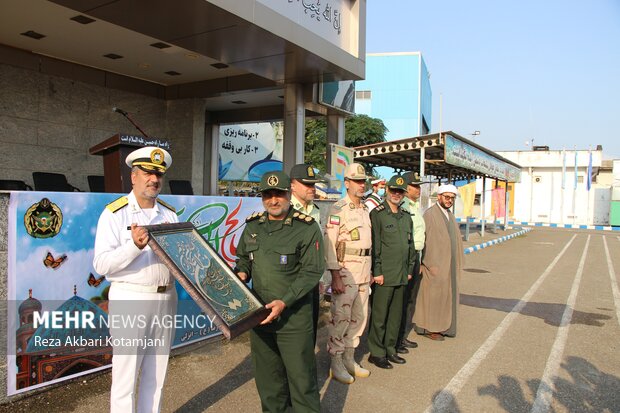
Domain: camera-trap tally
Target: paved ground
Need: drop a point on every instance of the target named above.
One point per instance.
(538, 331)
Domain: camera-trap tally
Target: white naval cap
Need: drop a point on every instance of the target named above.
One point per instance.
(150, 159)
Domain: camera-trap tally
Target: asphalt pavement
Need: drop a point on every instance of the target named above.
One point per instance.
(538, 331)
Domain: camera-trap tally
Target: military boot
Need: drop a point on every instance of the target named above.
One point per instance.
(352, 367)
(338, 371)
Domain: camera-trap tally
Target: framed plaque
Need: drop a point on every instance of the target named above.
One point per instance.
(206, 277)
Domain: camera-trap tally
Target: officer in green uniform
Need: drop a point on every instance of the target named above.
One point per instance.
(393, 258)
(303, 192)
(281, 250)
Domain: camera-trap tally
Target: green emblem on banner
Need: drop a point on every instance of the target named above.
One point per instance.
(43, 219)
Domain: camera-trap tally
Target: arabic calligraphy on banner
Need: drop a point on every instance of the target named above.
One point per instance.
(56, 273)
(249, 150)
(142, 141)
(459, 153)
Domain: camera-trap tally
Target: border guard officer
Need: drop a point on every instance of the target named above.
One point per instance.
(347, 249)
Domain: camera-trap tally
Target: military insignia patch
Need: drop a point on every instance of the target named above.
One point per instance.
(157, 156)
(355, 234)
(334, 220)
(273, 180)
(43, 219)
(310, 172)
(283, 259)
(360, 170)
(400, 181)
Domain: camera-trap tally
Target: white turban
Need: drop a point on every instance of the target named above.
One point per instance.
(447, 188)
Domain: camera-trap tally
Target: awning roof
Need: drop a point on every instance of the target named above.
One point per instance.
(447, 155)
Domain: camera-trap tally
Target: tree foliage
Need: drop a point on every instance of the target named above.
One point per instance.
(359, 130)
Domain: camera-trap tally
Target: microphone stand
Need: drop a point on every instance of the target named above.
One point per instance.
(126, 115)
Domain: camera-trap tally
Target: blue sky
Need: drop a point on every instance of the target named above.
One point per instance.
(514, 70)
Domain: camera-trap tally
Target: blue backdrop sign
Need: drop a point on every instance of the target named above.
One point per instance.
(51, 247)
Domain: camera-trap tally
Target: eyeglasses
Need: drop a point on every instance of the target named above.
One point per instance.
(449, 197)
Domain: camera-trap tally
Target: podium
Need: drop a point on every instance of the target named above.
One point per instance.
(117, 175)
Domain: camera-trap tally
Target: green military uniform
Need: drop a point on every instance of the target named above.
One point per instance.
(305, 174)
(284, 259)
(393, 255)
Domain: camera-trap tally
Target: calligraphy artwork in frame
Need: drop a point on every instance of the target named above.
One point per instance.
(206, 277)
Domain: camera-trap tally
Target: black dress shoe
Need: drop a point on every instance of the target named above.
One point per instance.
(395, 358)
(401, 349)
(380, 362)
(408, 343)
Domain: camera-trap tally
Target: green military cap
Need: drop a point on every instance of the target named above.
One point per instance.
(397, 182)
(275, 180)
(304, 172)
(412, 178)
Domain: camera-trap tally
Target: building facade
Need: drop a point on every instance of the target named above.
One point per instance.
(396, 90)
(561, 186)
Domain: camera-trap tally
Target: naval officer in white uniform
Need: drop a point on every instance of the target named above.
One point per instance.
(142, 287)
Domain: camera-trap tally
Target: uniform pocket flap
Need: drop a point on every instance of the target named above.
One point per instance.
(286, 250)
(251, 247)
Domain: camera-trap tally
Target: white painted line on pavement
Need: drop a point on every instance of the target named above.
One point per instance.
(445, 398)
(544, 395)
(614, 281)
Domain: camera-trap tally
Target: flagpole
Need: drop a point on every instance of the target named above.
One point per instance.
(575, 188)
(589, 185)
(563, 185)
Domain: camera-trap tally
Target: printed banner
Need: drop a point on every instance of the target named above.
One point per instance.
(498, 204)
(249, 150)
(459, 153)
(51, 248)
(341, 158)
(468, 194)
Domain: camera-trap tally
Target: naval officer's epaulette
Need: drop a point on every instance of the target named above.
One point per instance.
(303, 217)
(254, 216)
(167, 205)
(381, 207)
(117, 204)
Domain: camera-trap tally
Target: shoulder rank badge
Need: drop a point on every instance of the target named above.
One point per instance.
(117, 204)
(165, 204)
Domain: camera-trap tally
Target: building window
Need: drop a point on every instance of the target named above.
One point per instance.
(362, 94)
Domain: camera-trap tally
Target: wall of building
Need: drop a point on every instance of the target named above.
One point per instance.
(48, 123)
(400, 93)
(547, 192)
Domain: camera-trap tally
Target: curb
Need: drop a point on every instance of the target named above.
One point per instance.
(495, 241)
(541, 224)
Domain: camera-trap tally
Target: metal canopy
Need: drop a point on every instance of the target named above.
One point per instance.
(447, 155)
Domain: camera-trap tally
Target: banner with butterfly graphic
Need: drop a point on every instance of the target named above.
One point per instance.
(50, 254)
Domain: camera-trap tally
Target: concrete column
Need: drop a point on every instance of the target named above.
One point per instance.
(198, 146)
(211, 167)
(294, 125)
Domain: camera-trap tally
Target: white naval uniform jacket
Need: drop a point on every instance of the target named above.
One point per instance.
(116, 255)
